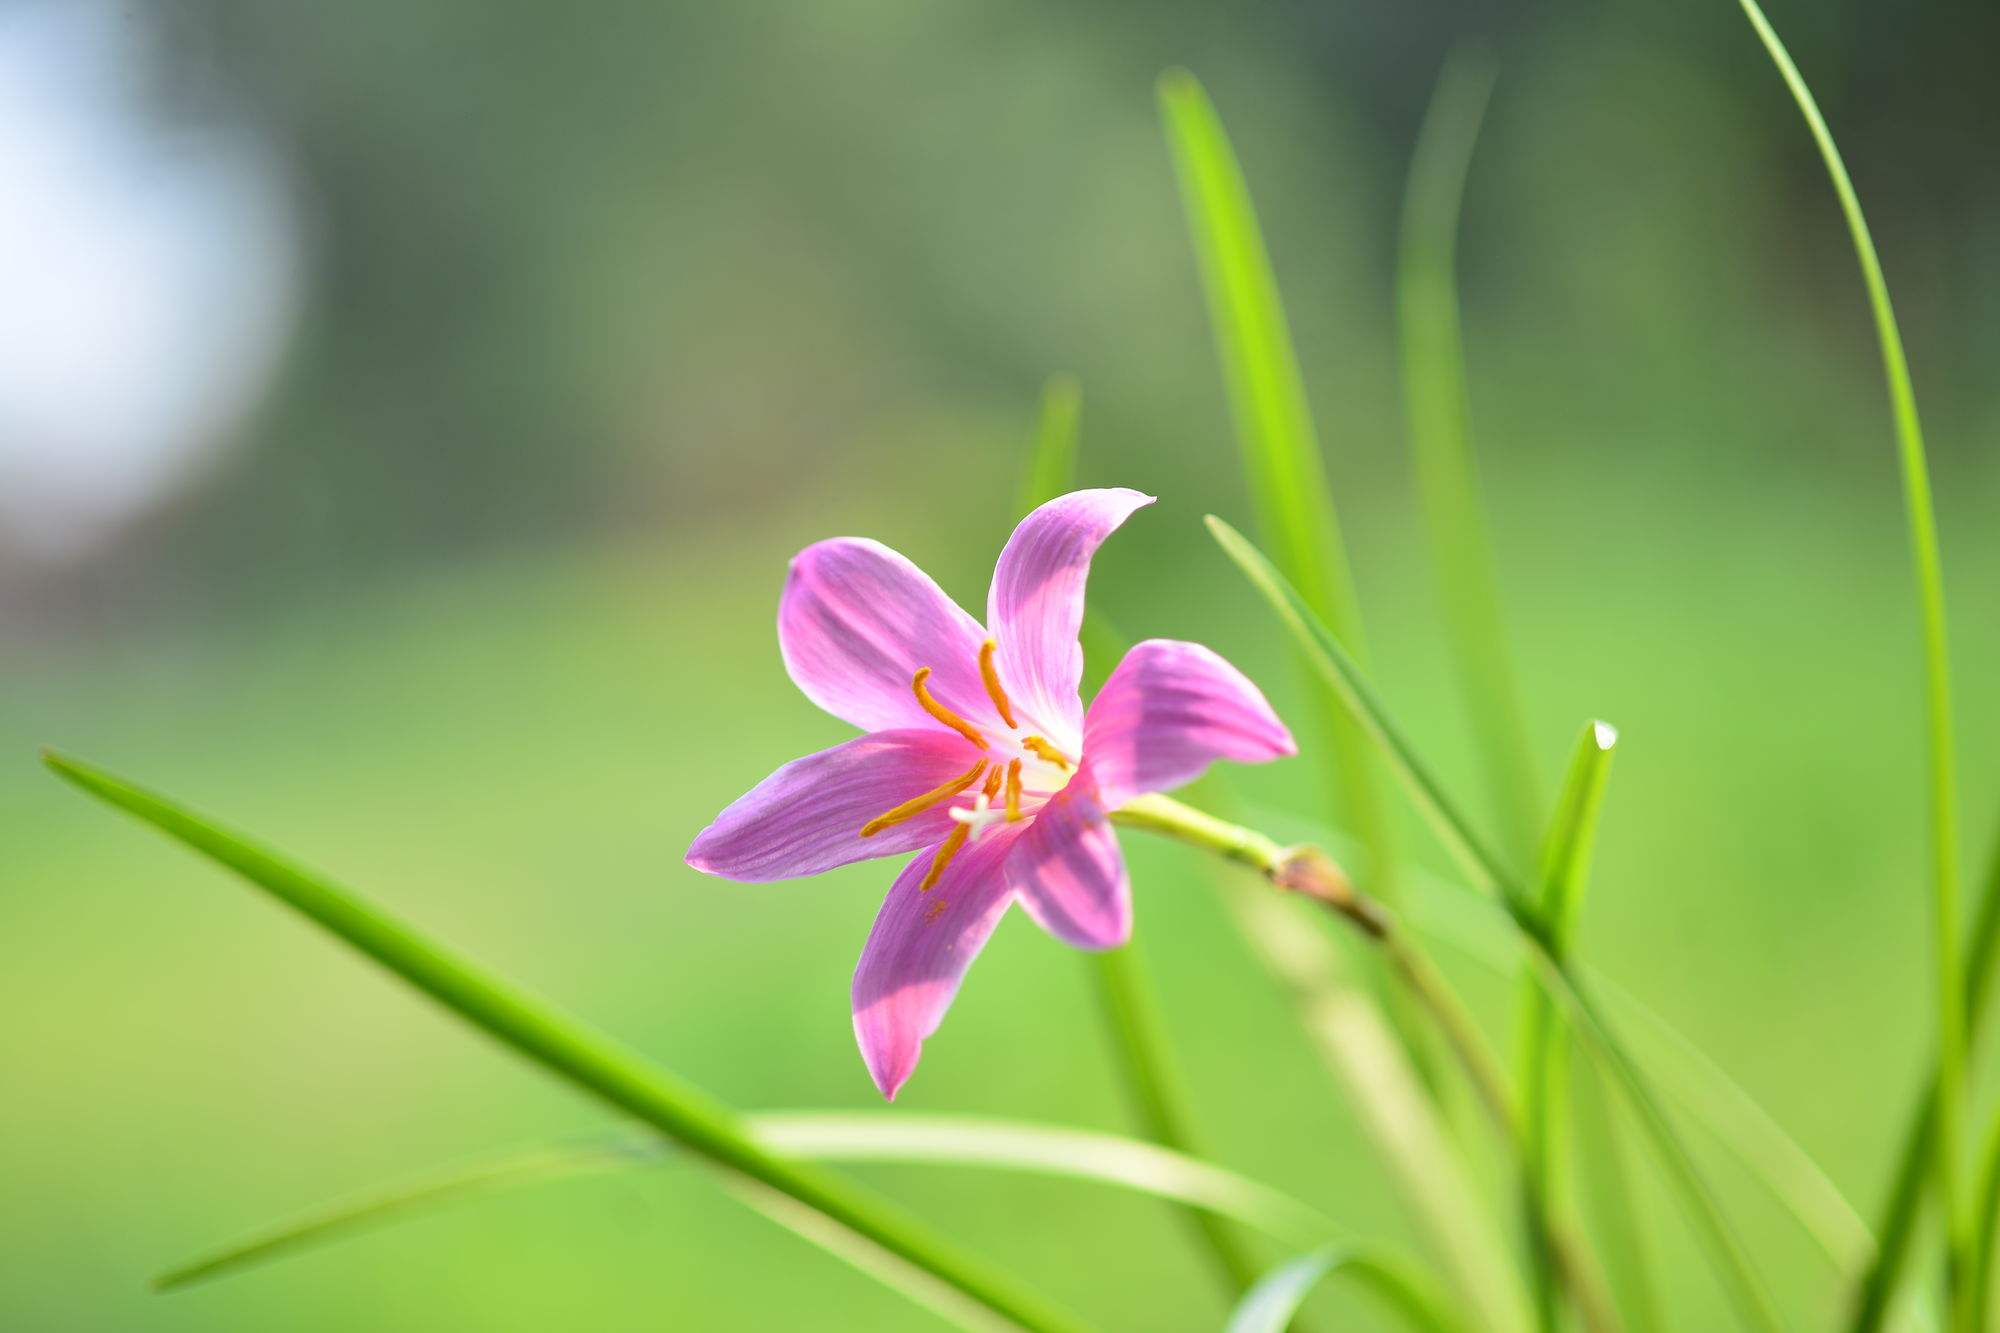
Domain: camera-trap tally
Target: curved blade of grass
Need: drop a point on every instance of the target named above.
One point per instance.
(1986, 1225)
(1540, 1069)
(1274, 425)
(570, 1049)
(1877, 1287)
(1386, 1093)
(1608, 1202)
(1950, 1079)
(1483, 933)
(1340, 674)
(1715, 1101)
(840, 1136)
(1269, 1306)
(1435, 401)
(1335, 668)
(1126, 1001)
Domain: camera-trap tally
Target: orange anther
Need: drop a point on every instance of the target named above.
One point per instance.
(948, 849)
(1042, 749)
(930, 705)
(988, 674)
(918, 805)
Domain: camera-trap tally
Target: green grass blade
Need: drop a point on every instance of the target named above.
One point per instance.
(1435, 402)
(349, 1217)
(1273, 421)
(1270, 1305)
(841, 1136)
(1338, 671)
(1052, 464)
(1877, 1287)
(1335, 668)
(1724, 1110)
(1950, 1080)
(1608, 1202)
(1540, 1070)
(568, 1048)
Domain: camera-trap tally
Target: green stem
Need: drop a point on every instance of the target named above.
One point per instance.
(1877, 1286)
(1310, 872)
(587, 1058)
(1139, 1037)
(1337, 669)
(1928, 567)
(1979, 1285)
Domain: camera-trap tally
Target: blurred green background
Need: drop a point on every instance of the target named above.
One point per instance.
(583, 319)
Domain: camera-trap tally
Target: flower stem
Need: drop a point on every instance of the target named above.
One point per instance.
(1309, 871)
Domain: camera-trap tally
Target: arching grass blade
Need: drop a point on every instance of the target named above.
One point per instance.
(1270, 1305)
(1436, 405)
(1273, 421)
(568, 1048)
(1541, 1071)
(1338, 671)
(838, 1136)
(1942, 775)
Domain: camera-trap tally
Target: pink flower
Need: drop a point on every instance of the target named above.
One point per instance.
(978, 755)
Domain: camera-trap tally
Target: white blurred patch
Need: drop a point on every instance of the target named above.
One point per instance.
(149, 275)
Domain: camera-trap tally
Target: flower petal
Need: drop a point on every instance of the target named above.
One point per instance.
(1035, 606)
(918, 952)
(857, 620)
(1167, 711)
(807, 816)
(1070, 875)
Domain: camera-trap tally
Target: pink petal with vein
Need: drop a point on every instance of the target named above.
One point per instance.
(1070, 875)
(1035, 605)
(857, 620)
(919, 950)
(1168, 711)
(807, 816)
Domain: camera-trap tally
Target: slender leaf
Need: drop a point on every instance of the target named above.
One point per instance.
(1540, 1072)
(1385, 1091)
(1610, 1208)
(1338, 671)
(1729, 1114)
(1274, 425)
(1879, 1281)
(568, 1048)
(1340, 674)
(1269, 1306)
(840, 1136)
(1435, 402)
(1928, 565)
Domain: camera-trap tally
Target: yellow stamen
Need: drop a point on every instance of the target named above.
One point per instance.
(992, 679)
(918, 805)
(941, 713)
(992, 787)
(1044, 750)
(952, 842)
(1013, 789)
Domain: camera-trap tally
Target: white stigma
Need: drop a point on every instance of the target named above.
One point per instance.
(979, 818)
